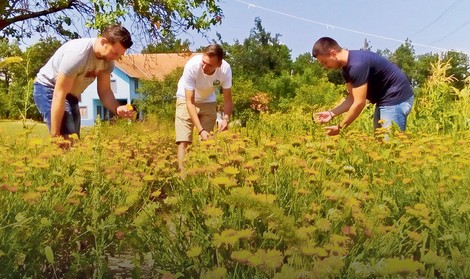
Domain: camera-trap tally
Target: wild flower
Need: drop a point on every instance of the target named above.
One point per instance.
(263, 198)
(250, 166)
(274, 166)
(304, 233)
(214, 222)
(121, 210)
(251, 214)
(227, 237)
(231, 171)
(213, 211)
(327, 268)
(223, 181)
(246, 234)
(216, 273)
(32, 197)
(241, 256)
(303, 191)
(415, 236)
(394, 266)
(194, 252)
(252, 178)
(348, 169)
(349, 230)
(323, 225)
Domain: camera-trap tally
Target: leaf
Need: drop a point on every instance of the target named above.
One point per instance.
(10, 60)
(49, 254)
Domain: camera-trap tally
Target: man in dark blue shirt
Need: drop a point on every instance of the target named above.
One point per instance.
(368, 76)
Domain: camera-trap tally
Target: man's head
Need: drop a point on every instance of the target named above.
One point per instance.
(114, 42)
(212, 57)
(326, 51)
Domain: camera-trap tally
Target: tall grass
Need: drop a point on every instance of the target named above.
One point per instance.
(274, 199)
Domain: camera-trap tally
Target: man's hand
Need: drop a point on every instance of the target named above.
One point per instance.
(332, 130)
(324, 116)
(205, 135)
(64, 142)
(223, 125)
(125, 111)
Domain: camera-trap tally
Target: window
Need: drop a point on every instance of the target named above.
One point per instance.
(114, 86)
(84, 112)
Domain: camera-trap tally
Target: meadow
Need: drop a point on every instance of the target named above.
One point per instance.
(274, 199)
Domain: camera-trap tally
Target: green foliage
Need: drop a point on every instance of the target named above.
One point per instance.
(39, 53)
(168, 45)
(158, 97)
(276, 199)
(423, 68)
(404, 58)
(16, 88)
(151, 19)
(260, 54)
(436, 100)
(459, 67)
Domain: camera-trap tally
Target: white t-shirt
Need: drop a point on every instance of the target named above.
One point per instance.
(76, 59)
(205, 86)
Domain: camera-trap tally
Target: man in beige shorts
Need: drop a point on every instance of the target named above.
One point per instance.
(196, 103)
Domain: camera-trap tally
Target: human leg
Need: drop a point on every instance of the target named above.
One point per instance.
(71, 119)
(182, 146)
(43, 99)
(393, 114)
(183, 128)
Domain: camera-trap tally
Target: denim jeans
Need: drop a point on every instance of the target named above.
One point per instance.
(395, 113)
(71, 120)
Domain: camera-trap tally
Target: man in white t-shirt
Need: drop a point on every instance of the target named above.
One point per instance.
(72, 68)
(196, 106)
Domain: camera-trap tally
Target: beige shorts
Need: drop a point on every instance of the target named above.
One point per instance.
(207, 113)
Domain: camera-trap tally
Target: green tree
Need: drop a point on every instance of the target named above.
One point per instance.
(404, 58)
(39, 53)
(260, 53)
(16, 84)
(158, 97)
(423, 68)
(459, 67)
(8, 73)
(150, 18)
(168, 45)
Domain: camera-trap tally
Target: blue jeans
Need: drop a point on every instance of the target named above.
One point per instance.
(70, 122)
(395, 113)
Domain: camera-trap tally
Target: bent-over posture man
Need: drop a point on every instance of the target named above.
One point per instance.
(73, 67)
(196, 97)
(368, 76)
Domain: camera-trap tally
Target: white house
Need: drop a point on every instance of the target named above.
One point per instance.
(125, 81)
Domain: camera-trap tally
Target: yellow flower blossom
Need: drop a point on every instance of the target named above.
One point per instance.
(212, 211)
(194, 252)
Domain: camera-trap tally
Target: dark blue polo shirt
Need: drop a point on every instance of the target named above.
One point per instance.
(387, 84)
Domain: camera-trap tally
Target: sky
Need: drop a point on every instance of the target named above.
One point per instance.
(431, 25)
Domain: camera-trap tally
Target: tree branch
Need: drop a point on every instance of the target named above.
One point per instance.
(68, 5)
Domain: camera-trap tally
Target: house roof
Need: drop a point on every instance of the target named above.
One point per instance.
(152, 66)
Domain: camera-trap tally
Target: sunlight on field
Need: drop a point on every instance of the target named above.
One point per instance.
(275, 199)
(10, 129)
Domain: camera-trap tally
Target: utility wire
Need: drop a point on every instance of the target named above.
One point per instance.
(453, 32)
(328, 26)
(439, 17)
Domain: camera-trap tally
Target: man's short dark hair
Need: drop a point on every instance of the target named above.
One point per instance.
(324, 45)
(214, 50)
(117, 34)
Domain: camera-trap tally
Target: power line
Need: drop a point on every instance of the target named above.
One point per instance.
(439, 17)
(452, 32)
(330, 26)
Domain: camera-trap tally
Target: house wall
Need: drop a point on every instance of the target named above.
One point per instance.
(124, 89)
